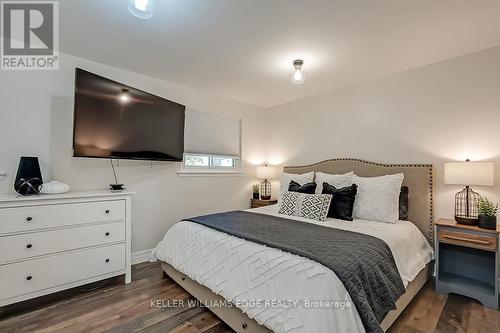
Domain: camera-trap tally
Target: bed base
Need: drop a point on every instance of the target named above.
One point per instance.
(241, 323)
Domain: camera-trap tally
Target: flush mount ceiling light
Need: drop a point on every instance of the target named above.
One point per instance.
(298, 75)
(124, 97)
(142, 8)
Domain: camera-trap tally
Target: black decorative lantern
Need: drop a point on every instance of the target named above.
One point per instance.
(467, 201)
(467, 206)
(265, 172)
(265, 190)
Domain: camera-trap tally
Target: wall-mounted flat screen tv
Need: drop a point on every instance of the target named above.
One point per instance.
(112, 120)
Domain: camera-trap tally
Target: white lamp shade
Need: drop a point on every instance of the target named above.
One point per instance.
(266, 172)
(469, 173)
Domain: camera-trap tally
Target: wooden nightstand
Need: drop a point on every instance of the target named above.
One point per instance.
(256, 203)
(467, 261)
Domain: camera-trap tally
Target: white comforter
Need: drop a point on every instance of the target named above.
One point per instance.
(283, 291)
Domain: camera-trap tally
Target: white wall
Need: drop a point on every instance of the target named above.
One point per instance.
(36, 118)
(443, 112)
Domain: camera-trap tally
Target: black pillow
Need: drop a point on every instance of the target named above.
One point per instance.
(309, 188)
(342, 202)
(403, 203)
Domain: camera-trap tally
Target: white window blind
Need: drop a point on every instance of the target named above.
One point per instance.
(211, 134)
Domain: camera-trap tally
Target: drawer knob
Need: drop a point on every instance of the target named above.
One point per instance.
(29, 246)
(107, 260)
(29, 218)
(107, 211)
(29, 277)
(107, 233)
(244, 325)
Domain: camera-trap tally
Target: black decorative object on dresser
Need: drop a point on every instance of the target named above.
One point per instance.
(28, 177)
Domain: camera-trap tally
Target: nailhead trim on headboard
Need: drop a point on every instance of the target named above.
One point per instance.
(431, 184)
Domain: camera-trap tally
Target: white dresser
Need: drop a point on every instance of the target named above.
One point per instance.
(50, 243)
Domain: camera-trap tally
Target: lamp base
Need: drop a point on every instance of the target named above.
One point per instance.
(466, 220)
(265, 190)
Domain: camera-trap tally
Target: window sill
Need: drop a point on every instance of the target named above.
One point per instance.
(188, 173)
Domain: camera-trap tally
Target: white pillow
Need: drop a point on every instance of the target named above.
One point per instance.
(378, 198)
(286, 178)
(336, 180)
(309, 206)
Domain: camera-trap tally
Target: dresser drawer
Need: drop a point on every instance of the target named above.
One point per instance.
(33, 275)
(45, 242)
(484, 242)
(21, 219)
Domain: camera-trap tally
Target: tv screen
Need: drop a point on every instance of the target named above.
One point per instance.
(112, 120)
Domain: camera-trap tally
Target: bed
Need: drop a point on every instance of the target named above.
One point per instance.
(262, 282)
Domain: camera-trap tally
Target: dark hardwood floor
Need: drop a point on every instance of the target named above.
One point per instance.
(116, 307)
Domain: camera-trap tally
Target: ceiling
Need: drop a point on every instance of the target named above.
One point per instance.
(243, 49)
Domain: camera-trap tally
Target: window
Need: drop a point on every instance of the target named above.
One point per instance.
(203, 162)
(196, 161)
(212, 144)
(223, 162)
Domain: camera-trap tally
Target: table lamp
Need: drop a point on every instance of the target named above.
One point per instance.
(266, 172)
(468, 173)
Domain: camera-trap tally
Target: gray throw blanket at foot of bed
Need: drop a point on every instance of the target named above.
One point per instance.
(363, 263)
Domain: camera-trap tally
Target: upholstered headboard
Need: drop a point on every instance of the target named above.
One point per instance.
(418, 177)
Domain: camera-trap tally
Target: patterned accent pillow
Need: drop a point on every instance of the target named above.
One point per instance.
(309, 206)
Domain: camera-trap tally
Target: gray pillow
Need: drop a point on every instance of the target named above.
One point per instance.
(403, 203)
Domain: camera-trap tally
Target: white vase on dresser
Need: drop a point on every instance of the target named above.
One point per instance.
(49, 243)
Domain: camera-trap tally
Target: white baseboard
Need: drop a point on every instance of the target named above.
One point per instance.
(141, 256)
